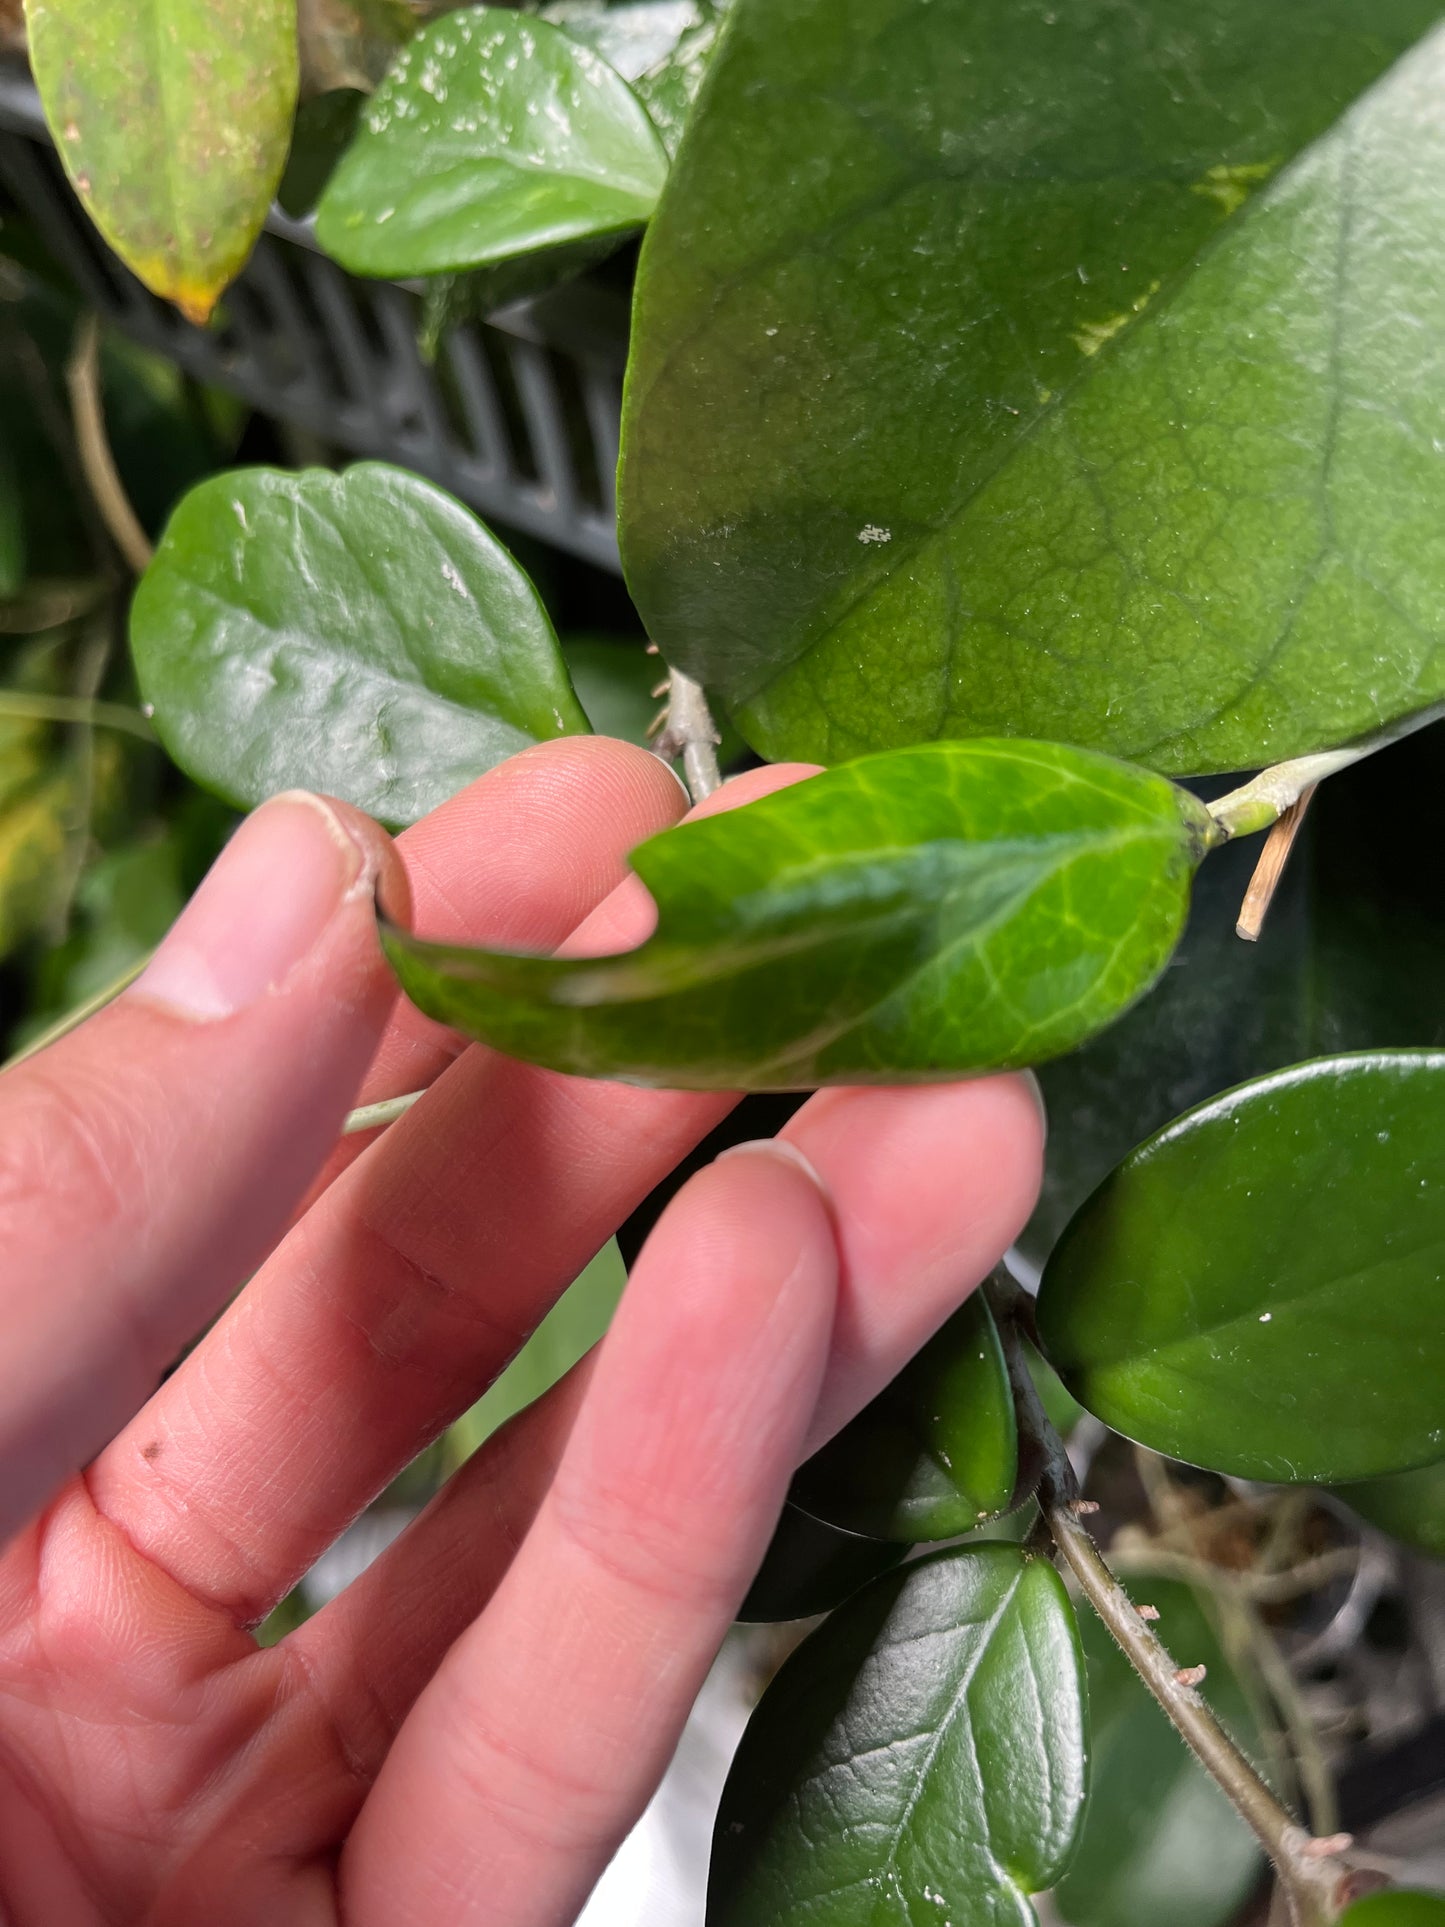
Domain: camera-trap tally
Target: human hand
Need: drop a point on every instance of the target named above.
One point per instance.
(464, 1735)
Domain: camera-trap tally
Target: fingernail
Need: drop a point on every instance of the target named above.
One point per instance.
(270, 895)
(775, 1147)
(1036, 1092)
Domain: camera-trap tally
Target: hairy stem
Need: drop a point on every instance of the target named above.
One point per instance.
(1316, 1885)
(72, 1019)
(1265, 798)
(689, 731)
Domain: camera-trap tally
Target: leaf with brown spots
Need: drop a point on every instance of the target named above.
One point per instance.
(173, 119)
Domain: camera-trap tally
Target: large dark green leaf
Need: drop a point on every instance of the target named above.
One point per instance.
(1401, 1908)
(1349, 960)
(1160, 1842)
(946, 909)
(1257, 1289)
(1410, 1506)
(1084, 380)
(921, 1757)
(360, 634)
(935, 1454)
(172, 118)
(495, 135)
(810, 1567)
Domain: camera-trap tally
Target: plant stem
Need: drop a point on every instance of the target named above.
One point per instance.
(369, 1117)
(72, 1019)
(82, 376)
(1265, 798)
(1317, 1886)
(20, 704)
(689, 731)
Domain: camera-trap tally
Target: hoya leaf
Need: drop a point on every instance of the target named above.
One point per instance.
(1348, 961)
(1160, 1842)
(1257, 1289)
(810, 1567)
(360, 634)
(921, 1756)
(935, 1454)
(494, 135)
(661, 46)
(570, 1329)
(1410, 1506)
(172, 118)
(1398, 1907)
(946, 909)
(1086, 382)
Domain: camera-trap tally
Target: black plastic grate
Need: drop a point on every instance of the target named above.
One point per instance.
(519, 414)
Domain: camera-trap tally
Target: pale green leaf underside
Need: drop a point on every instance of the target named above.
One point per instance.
(495, 135)
(1043, 409)
(940, 910)
(920, 1759)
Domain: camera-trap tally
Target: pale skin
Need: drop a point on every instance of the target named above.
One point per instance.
(465, 1734)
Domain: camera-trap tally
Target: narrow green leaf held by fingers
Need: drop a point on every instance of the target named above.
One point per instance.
(950, 908)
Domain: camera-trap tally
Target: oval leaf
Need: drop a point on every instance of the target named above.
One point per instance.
(494, 135)
(172, 118)
(361, 634)
(1257, 1289)
(810, 1567)
(1160, 1842)
(1049, 398)
(952, 908)
(922, 1755)
(935, 1454)
(1410, 1506)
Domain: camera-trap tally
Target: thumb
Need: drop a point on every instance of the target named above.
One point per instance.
(149, 1160)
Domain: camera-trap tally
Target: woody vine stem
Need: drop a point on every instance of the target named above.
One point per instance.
(1317, 1884)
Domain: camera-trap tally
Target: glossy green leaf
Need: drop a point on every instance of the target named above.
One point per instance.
(921, 1757)
(935, 1454)
(361, 634)
(172, 118)
(810, 1567)
(1160, 1842)
(1084, 380)
(569, 1331)
(1410, 1506)
(936, 911)
(1402, 1907)
(1349, 960)
(1257, 1289)
(494, 135)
